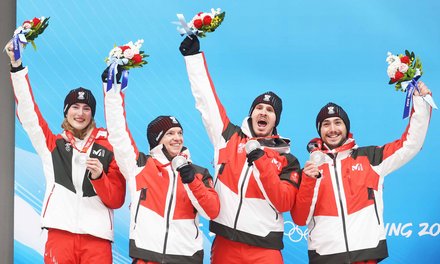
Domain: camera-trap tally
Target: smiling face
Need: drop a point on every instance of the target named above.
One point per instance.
(333, 132)
(79, 116)
(173, 141)
(263, 120)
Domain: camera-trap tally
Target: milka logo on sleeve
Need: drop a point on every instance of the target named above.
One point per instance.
(81, 95)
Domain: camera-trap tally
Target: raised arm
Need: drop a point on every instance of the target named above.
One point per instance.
(124, 147)
(213, 113)
(393, 155)
(27, 110)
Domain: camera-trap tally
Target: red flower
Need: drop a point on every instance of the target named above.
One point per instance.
(397, 76)
(123, 48)
(404, 59)
(198, 23)
(36, 21)
(137, 58)
(207, 20)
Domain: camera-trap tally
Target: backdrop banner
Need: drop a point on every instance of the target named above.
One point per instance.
(308, 52)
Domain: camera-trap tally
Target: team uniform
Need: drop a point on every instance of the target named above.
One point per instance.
(344, 208)
(252, 196)
(164, 225)
(75, 206)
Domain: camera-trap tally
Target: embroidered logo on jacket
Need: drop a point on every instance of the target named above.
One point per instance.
(67, 147)
(99, 152)
(277, 163)
(294, 177)
(357, 167)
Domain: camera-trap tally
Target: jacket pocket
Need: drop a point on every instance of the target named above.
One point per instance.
(142, 197)
(371, 196)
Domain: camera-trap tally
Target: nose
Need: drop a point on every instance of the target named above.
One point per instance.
(178, 137)
(332, 127)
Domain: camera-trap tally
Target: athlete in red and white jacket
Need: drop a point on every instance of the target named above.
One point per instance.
(165, 201)
(255, 188)
(83, 182)
(341, 199)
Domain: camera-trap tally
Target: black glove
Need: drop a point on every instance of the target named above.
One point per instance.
(104, 74)
(190, 46)
(254, 155)
(187, 173)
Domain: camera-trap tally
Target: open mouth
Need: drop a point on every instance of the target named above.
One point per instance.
(262, 123)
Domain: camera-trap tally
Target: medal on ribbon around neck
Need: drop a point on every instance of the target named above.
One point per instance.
(82, 156)
(81, 159)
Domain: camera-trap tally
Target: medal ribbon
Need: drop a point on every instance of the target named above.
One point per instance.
(269, 137)
(344, 147)
(89, 141)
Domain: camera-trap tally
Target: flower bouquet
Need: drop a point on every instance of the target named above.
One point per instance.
(127, 56)
(404, 70)
(28, 32)
(201, 23)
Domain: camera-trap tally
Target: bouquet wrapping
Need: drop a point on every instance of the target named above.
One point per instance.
(404, 70)
(27, 33)
(200, 24)
(127, 56)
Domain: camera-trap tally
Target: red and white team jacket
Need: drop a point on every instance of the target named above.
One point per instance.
(344, 208)
(72, 201)
(252, 198)
(164, 225)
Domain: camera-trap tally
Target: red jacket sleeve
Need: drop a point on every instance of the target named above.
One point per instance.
(303, 205)
(110, 187)
(278, 177)
(203, 196)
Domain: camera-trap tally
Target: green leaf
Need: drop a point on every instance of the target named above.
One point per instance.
(33, 45)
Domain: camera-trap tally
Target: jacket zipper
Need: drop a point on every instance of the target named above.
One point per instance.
(168, 220)
(241, 202)
(372, 196)
(142, 197)
(48, 200)
(110, 218)
(276, 213)
(197, 229)
(342, 209)
(220, 171)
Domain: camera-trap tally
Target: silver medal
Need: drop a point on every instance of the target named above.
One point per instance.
(81, 159)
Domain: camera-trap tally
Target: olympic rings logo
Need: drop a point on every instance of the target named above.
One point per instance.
(294, 232)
